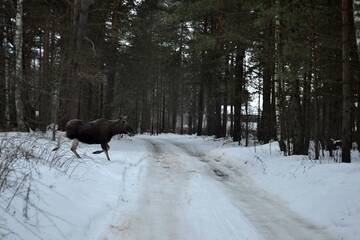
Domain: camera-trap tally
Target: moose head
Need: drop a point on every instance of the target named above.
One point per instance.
(120, 126)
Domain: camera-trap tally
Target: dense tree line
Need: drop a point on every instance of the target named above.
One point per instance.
(192, 66)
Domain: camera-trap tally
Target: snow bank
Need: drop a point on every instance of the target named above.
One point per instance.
(82, 201)
(324, 192)
(77, 204)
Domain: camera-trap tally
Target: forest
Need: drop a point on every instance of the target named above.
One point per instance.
(179, 119)
(275, 70)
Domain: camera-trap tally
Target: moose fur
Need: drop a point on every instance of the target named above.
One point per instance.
(99, 131)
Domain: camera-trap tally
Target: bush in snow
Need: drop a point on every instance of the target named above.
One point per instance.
(21, 156)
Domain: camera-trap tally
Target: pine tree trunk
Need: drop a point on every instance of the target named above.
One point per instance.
(297, 126)
(5, 71)
(181, 109)
(71, 77)
(280, 74)
(346, 85)
(210, 106)
(306, 114)
(247, 123)
(267, 124)
(163, 105)
(238, 85)
(355, 62)
(55, 91)
(200, 113)
(225, 96)
(19, 67)
(45, 79)
(110, 83)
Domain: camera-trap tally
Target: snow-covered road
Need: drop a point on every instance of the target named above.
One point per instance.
(172, 187)
(183, 196)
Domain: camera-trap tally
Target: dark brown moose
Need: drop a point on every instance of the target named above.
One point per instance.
(99, 131)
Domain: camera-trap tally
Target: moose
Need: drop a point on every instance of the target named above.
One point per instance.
(99, 131)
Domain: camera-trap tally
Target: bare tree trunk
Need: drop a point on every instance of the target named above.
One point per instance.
(346, 87)
(247, 122)
(232, 119)
(19, 105)
(7, 91)
(191, 111)
(182, 108)
(44, 80)
(158, 103)
(306, 105)
(232, 96)
(174, 105)
(55, 91)
(110, 83)
(279, 73)
(238, 86)
(226, 91)
(296, 111)
(163, 105)
(152, 119)
(314, 80)
(201, 100)
(54, 106)
(267, 118)
(355, 61)
(73, 94)
(6, 72)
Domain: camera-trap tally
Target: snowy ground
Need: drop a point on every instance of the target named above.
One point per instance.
(172, 187)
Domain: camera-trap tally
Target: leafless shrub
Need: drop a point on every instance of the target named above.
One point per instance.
(262, 163)
(21, 156)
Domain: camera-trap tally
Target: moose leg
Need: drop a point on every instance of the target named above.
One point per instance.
(74, 146)
(106, 147)
(97, 152)
(100, 151)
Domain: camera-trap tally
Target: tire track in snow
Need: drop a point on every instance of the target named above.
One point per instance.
(268, 213)
(155, 216)
(183, 197)
(179, 201)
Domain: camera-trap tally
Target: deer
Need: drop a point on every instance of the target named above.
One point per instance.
(99, 131)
